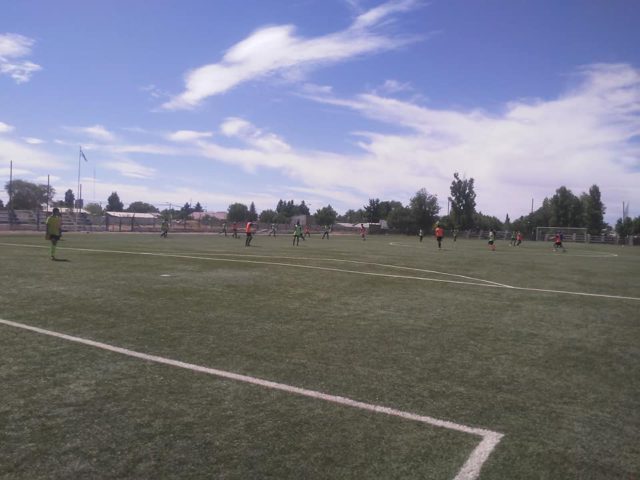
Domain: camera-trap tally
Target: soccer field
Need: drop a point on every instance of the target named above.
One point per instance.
(334, 359)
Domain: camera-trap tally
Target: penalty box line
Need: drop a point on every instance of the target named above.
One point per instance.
(469, 471)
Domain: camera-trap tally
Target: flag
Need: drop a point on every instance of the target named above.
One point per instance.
(82, 155)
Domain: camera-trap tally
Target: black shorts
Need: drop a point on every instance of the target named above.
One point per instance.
(54, 238)
(490, 242)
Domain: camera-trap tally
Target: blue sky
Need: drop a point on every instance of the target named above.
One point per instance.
(330, 101)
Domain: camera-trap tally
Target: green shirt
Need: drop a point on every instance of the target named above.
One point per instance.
(54, 225)
(298, 231)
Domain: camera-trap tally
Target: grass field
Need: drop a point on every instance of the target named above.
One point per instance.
(388, 322)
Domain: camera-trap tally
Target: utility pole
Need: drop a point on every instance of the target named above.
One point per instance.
(11, 195)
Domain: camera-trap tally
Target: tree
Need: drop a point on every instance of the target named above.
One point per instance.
(141, 207)
(486, 222)
(237, 212)
(1, 203)
(566, 209)
(26, 195)
(268, 216)
(114, 204)
(69, 199)
(185, 211)
(399, 218)
(624, 228)
(198, 208)
(424, 210)
(290, 208)
(593, 210)
(93, 208)
(253, 215)
(352, 216)
(463, 201)
(372, 210)
(386, 206)
(326, 215)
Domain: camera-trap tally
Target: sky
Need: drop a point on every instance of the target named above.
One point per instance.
(328, 101)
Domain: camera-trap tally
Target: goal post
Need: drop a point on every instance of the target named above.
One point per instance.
(570, 234)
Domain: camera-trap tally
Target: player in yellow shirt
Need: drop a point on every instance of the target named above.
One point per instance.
(54, 230)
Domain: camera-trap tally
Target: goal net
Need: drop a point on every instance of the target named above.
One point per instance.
(570, 234)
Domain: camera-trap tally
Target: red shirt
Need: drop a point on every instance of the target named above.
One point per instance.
(248, 227)
(439, 232)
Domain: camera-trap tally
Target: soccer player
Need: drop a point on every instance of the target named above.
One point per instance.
(327, 229)
(512, 243)
(455, 235)
(224, 228)
(164, 229)
(492, 240)
(420, 234)
(363, 232)
(273, 230)
(518, 238)
(234, 230)
(54, 230)
(297, 233)
(439, 234)
(247, 242)
(557, 244)
(307, 232)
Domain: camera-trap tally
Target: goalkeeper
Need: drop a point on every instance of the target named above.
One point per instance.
(54, 230)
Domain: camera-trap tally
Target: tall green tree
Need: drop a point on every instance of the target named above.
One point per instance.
(268, 216)
(141, 207)
(27, 195)
(198, 208)
(386, 206)
(325, 216)
(624, 227)
(114, 204)
(463, 201)
(253, 215)
(93, 208)
(372, 210)
(566, 209)
(424, 210)
(69, 199)
(593, 210)
(399, 218)
(1, 203)
(237, 212)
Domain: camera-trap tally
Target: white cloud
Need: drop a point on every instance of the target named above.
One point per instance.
(27, 156)
(245, 131)
(32, 140)
(97, 132)
(12, 48)
(585, 136)
(131, 169)
(278, 50)
(394, 86)
(44, 178)
(5, 128)
(187, 135)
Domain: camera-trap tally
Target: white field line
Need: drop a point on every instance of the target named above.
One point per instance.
(469, 471)
(329, 269)
(527, 253)
(357, 262)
